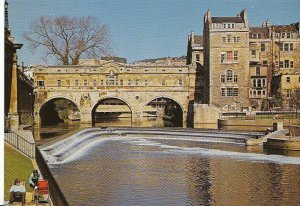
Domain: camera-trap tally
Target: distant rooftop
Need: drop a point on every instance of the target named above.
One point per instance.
(236, 19)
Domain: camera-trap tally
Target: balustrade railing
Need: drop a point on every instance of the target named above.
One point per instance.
(20, 143)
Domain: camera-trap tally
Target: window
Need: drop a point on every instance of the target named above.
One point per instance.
(224, 39)
(197, 57)
(40, 83)
(180, 82)
(163, 82)
(254, 36)
(129, 82)
(282, 35)
(236, 92)
(238, 39)
(234, 39)
(235, 56)
(281, 46)
(286, 47)
(235, 78)
(137, 82)
(229, 76)
(259, 36)
(262, 47)
(253, 53)
(85, 82)
(222, 57)
(76, 82)
(281, 64)
(299, 79)
(288, 35)
(94, 82)
(121, 82)
(257, 71)
(291, 47)
(229, 56)
(59, 83)
(259, 83)
(265, 62)
(228, 38)
(146, 82)
(101, 82)
(286, 63)
(288, 79)
(223, 78)
(223, 92)
(254, 83)
(229, 92)
(264, 82)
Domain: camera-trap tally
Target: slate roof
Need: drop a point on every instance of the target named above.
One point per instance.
(285, 28)
(264, 31)
(198, 39)
(236, 19)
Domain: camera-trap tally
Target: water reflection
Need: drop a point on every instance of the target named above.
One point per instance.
(127, 173)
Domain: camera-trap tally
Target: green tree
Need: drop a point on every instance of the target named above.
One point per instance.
(277, 99)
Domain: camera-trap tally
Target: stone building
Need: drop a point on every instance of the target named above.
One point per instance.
(226, 58)
(244, 66)
(18, 104)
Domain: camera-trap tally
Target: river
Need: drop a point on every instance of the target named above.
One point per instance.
(140, 170)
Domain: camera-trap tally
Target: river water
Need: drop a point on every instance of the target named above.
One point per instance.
(141, 170)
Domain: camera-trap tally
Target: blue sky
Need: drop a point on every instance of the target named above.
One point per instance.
(143, 29)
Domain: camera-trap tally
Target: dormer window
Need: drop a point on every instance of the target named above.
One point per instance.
(229, 25)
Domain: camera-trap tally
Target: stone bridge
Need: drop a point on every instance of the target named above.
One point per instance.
(91, 82)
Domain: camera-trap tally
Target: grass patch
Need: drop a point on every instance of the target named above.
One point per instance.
(16, 165)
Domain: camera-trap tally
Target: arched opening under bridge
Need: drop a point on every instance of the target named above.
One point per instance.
(163, 112)
(58, 110)
(112, 112)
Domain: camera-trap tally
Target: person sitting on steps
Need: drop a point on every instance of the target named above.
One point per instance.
(33, 179)
(17, 190)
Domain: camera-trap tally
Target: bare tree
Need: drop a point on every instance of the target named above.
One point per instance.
(68, 39)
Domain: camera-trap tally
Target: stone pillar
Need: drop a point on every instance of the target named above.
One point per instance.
(86, 117)
(184, 119)
(13, 105)
(136, 118)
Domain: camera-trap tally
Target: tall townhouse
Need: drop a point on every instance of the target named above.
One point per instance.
(226, 58)
(261, 65)
(195, 57)
(286, 48)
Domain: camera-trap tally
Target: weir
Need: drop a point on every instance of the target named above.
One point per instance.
(77, 144)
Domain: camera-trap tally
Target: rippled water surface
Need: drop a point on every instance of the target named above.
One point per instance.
(139, 171)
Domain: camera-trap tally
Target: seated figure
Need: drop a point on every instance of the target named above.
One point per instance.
(17, 190)
(33, 179)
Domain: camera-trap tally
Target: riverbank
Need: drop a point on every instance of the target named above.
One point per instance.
(16, 165)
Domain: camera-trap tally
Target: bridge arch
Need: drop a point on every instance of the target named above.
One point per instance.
(167, 108)
(58, 109)
(112, 111)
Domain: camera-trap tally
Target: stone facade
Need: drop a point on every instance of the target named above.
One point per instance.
(243, 65)
(226, 58)
(95, 80)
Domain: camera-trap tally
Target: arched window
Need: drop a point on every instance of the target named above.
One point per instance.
(229, 75)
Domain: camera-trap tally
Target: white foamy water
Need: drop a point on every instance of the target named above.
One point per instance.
(80, 144)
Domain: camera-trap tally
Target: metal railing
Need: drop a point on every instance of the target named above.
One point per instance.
(20, 143)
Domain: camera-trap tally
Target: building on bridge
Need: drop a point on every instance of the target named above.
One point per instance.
(97, 87)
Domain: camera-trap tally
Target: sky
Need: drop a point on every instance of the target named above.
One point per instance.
(142, 29)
